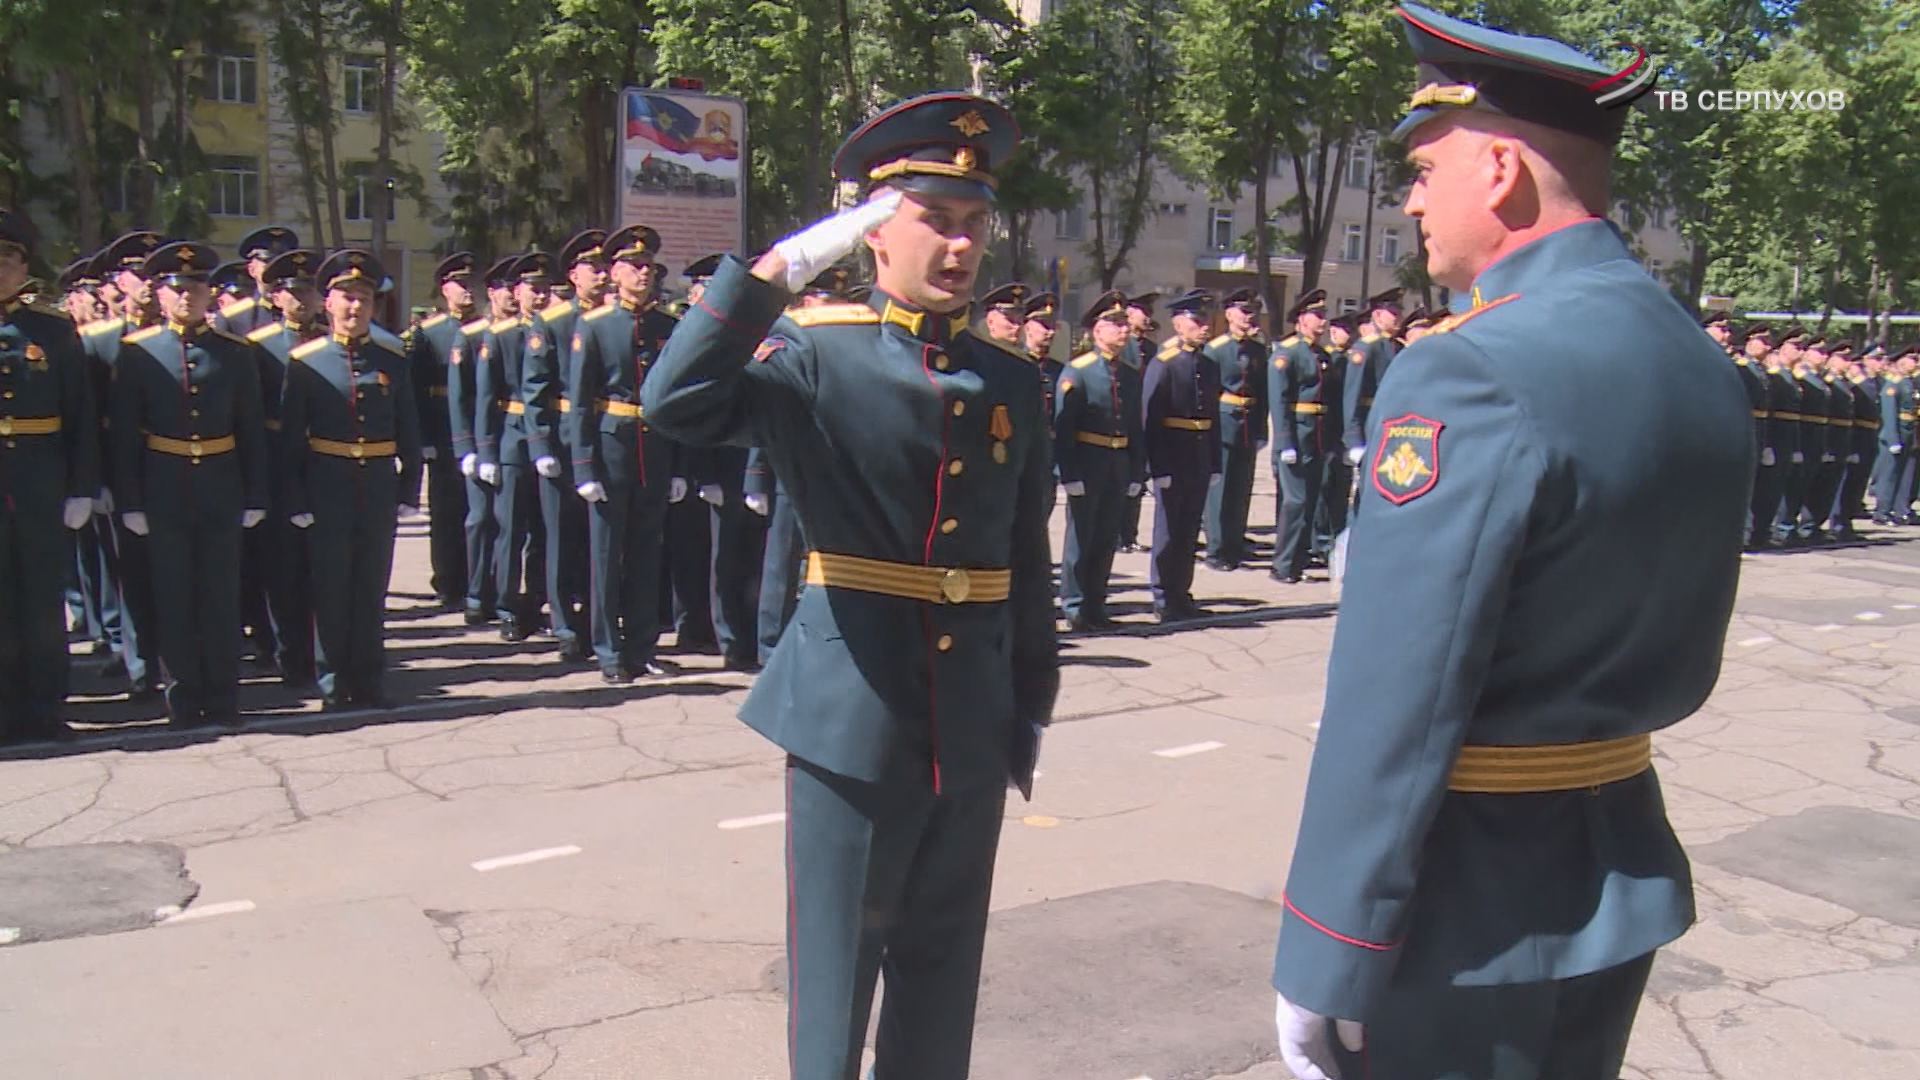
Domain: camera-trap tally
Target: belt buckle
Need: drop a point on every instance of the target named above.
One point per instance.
(357, 451)
(955, 586)
(193, 447)
(6, 426)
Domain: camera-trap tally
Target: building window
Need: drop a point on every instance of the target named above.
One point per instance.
(1659, 217)
(1220, 229)
(361, 84)
(1655, 268)
(359, 190)
(1359, 165)
(1069, 224)
(1174, 209)
(1349, 305)
(233, 77)
(1355, 248)
(236, 187)
(1389, 247)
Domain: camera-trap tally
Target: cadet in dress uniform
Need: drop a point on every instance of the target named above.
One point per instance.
(455, 345)
(260, 638)
(255, 309)
(351, 434)
(1330, 518)
(94, 596)
(190, 458)
(429, 347)
(1181, 426)
(543, 386)
(1866, 442)
(1368, 358)
(1002, 312)
(289, 574)
(49, 475)
(1893, 501)
(500, 436)
(686, 593)
(922, 659)
(1041, 317)
(230, 282)
(1305, 398)
(1242, 358)
(121, 262)
(1101, 457)
(1484, 866)
(1783, 420)
(1821, 404)
(1809, 402)
(1753, 380)
(622, 465)
(1142, 346)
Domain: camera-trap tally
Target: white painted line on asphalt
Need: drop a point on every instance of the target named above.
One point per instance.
(525, 857)
(1905, 607)
(755, 821)
(173, 914)
(9, 935)
(1188, 750)
(1826, 628)
(1869, 616)
(1752, 641)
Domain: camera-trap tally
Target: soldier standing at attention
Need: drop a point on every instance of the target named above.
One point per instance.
(1368, 359)
(94, 596)
(1102, 459)
(429, 347)
(1180, 423)
(1304, 440)
(1037, 331)
(624, 467)
(458, 341)
(1003, 310)
(49, 474)
(255, 309)
(1484, 866)
(289, 574)
(351, 435)
(1865, 441)
(1893, 501)
(1754, 381)
(543, 386)
(910, 688)
(500, 433)
(1141, 348)
(1242, 359)
(190, 452)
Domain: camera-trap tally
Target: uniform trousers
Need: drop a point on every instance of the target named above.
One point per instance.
(563, 516)
(350, 545)
(1177, 509)
(1093, 532)
(739, 546)
(624, 533)
(194, 544)
(1563, 1029)
(885, 880)
(520, 548)
(446, 528)
(481, 530)
(33, 637)
(1301, 487)
(1229, 495)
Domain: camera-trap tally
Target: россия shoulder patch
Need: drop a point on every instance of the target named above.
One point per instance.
(1406, 463)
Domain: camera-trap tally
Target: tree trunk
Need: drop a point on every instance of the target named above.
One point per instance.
(1697, 262)
(1262, 241)
(849, 92)
(383, 151)
(86, 172)
(323, 115)
(1366, 230)
(1100, 230)
(140, 199)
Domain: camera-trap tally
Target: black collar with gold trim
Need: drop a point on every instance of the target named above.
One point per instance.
(931, 327)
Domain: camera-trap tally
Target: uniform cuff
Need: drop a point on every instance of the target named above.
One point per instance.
(1317, 967)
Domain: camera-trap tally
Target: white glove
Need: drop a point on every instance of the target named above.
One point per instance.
(1162, 483)
(103, 503)
(1799, 458)
(758, 504)
(821, 244)
(1766, 455)
(429, 453)
(1895, 448)
(301, 521)
(593, 491)
(1133, 491)
(468, 464)
(1075, 488)
(1827, 459)
(676, 489)
(75, 513)
(547, 465)
(1289, 457)
(712, 495)
(135, 521)
(250, 518)
(1355, 453)
(1853, 459)
(1303, 1040)
(409, 511)
(489, 473)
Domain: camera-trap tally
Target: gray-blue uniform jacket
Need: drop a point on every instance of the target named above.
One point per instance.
(49, 430)
(543, 380)
(612, 351)
(1304, 387)
(1243, 389)
(176, 390)
(443, 343)
(901, 437)
(1897, 414)
(1499, 592)
(499, 413)
(1368, 358)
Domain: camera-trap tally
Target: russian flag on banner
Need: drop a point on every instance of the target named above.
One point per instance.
(662, 121)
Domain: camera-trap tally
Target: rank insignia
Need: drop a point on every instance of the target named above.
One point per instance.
(1406, 465)
(534, 342)
(767, 348)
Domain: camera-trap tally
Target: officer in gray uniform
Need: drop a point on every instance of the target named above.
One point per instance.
(1484, 866)
(500, 435)
(1241, 355)
(1305, 401)
(909, 688)
(1101, 457)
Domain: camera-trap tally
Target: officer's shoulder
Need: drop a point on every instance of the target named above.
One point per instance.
(1289, 341)
(1084, 360)
(560, 309)
(477, 326)
(264, 333)
(501, 326)
(239, 307)
(44, 308)
(434, 320)
(833, 315)
(1505, 306)
(141, 335)
(1219, 341)
(101, 327)
(309, 348)
(228, 335)
(996, 346)
(1169, 351)
(596, 314)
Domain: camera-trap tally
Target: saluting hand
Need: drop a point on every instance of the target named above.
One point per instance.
(799, 258)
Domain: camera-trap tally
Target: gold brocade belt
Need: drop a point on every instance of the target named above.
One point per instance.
(1093, 438)
(1510, 770)
(194, 448)
(910, 581)
(1238, 401)
(1183, 423)
(358, 451)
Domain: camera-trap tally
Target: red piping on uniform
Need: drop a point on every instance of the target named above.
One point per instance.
(640, 426)
(1335, 934)
(793, 930)
(933, 530)
(729, 323)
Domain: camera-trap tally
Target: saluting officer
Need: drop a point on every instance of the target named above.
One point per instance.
(544, 388)
(520, 541)
(1484, 866)
(1242, 358)
(1003, 310)
(121, 263)
(429, 350)
(1368, 360)
(1180, 423)
(622, 465)
(49, 475)
(922, 656)
(190, 452)
(1102, 459)
(352, 439)
(289, 574)
(255, 308)
(1305, 433)
(456, 344)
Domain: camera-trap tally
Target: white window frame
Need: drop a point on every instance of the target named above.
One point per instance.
(1390, 246)
(239, 177)
(360, 85)
(1353, 244)
(1218, 216)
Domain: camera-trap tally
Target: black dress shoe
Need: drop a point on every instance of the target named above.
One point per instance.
(1285, 579)
(1220, 564)
(144, 690)
(748, 664)
(617, 675)
(335, 703)
(512, 631)
(477, 618)
(575, 653)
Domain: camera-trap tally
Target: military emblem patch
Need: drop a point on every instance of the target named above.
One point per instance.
(534, 342)
(579, 341)
(1406, 464)
(767, 348)
(456, 355)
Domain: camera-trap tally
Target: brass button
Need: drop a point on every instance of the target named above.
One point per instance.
(193, 389)
(956, 467)
(193, 414)
(959, 408)
(941, 363)
(8, 395)
(362, 438)
(949, 525)
(945, 644)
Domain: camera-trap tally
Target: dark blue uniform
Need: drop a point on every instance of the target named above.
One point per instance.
(190, 452)
(445, 342)
(1783, 418)
(500, 436)
(1753, 381)
(1302, 384)
(288, 572)
(1096, 442)
(434, 378)
(1243, 431)
(739, 541)
(1180, 423)
(563, 515)
(1852, 504)
(139, 631)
